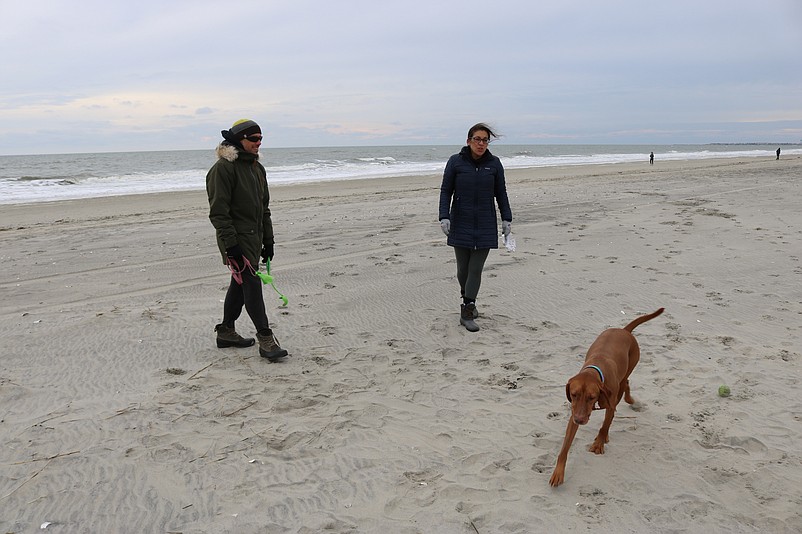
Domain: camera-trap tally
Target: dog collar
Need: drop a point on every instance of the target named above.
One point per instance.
(601, 375)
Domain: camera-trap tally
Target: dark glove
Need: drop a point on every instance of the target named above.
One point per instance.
(235, 253)
(267, 252)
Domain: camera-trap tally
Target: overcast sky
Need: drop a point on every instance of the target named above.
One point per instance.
(145, 75)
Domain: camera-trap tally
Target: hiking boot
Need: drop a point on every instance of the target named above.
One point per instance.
(466, 316)
(269, 347)
(228, 337)
(475, 311)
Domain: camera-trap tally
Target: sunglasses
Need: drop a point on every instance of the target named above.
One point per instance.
(254, 138)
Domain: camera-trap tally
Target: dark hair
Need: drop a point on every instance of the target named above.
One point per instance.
(484, 127)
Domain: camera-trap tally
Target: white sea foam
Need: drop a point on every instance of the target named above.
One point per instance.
(73, 176)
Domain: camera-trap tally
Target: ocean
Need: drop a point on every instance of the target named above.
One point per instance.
(41, 178)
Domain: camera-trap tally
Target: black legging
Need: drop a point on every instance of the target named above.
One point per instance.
(249, 294)
(470, 263)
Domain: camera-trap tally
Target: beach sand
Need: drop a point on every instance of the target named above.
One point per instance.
(118, 413)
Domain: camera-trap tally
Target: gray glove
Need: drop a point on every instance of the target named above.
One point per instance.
(506, 228)
(445, 225)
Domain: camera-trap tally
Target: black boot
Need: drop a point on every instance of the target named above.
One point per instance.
(228, 337)
(466, 316)
(462, 296)
(269, 347)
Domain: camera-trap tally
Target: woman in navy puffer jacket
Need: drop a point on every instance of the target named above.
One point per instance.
(473, 184)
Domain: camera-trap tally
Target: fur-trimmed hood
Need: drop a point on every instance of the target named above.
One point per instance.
(228, 152)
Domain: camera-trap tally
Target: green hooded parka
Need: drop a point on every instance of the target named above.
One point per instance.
(239, 202)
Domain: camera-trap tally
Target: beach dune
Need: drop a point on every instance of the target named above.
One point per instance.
(119, 414)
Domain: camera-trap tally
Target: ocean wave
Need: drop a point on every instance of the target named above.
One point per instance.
(43, 178)
(49, 181)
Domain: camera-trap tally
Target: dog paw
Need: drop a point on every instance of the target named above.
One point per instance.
(596, 447)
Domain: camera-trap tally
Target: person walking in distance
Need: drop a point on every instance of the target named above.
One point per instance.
(239, 209)
(473, 184)
(651, 158)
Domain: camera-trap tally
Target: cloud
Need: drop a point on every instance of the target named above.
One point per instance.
(374, 72)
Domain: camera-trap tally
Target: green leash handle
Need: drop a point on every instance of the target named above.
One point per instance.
(267, 278)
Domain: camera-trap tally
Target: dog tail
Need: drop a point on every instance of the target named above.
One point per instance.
(631, 326)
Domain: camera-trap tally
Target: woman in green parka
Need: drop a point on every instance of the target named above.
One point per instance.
(239, 210)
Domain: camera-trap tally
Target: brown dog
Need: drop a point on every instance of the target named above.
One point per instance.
(604, 379)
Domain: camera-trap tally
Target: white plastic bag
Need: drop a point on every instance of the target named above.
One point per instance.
(509, 242)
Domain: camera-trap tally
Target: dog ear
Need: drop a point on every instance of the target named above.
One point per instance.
(604, 397)
(568, 391)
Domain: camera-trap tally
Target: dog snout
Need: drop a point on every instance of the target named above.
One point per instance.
(581, 419)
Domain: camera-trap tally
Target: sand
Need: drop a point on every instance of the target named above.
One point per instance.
(118, 413)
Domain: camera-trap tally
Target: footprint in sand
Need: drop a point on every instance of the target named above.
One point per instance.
(328, 330)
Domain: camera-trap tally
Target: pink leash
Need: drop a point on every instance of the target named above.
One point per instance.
(236, 272)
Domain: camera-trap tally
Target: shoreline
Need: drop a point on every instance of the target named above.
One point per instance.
(388, 416)
(30, 213)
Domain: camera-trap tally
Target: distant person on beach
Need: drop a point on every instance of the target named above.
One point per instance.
(473, 183)
(651, 158)
(239, 210)
(778, 152)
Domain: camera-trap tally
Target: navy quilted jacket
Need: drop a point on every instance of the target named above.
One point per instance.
(468, 196)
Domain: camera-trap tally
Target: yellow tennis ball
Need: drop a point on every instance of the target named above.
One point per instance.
(724, 391)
